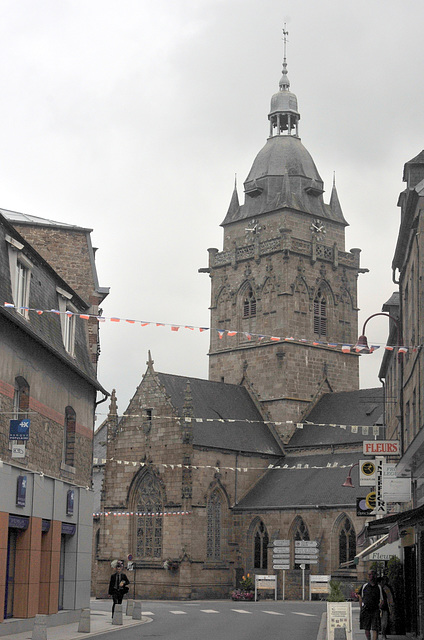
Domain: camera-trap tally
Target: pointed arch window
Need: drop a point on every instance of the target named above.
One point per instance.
(213, 536)
(249, 303)
(260, 541)
(347, 541)
(320, 313)
(149, 509)
(301, 533)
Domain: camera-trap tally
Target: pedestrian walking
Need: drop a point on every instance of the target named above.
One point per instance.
(118, 583)
(371, 600)
(388, 608)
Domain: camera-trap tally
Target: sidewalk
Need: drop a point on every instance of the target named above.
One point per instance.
(357, 633)
(100, 622)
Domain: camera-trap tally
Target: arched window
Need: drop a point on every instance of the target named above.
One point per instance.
(21, 398)
(260, 541)
(69, 437)
(347, 541)
(249, 303)
(300, 533)
(320, 313)
(149, 508)
(213, 536)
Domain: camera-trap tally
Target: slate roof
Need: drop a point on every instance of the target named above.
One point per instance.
(44, 328)
(362, 408)
(218, 400)
(24, 218)
(302, 488)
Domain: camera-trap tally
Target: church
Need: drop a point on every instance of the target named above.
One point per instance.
(199, 478)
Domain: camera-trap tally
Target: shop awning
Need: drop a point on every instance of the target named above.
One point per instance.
(365, 552)
(389, 523)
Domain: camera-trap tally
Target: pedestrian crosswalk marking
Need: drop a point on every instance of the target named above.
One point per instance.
(208, 611)
(148, 613)
(241, 611)
(310, 615)
(178, 612)
(273, 613)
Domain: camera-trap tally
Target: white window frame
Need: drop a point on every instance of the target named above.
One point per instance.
(67, 321)
(20, 275)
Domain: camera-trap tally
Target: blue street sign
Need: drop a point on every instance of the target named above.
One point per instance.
(19, 429)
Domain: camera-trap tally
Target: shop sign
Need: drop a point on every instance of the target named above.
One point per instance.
(395, 489)
(19, 429)
(367, 473)
(381, 447)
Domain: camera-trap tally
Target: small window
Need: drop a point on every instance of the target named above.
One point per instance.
(320, 314)
(21, 398)
(249, 304)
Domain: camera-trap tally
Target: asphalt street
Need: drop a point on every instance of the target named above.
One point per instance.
(218, 619)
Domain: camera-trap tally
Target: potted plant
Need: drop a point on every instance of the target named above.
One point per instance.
(246, 590)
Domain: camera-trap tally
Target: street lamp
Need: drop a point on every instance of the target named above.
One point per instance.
(348, 482)
(362, 343)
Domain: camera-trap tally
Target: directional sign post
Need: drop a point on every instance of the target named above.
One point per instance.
(281, 559)
(305, 552)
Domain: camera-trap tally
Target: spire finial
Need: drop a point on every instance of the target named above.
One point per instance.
(284, 82)
(334, 178)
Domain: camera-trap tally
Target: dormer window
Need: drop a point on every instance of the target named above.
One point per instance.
(67, 320)
(20, 276)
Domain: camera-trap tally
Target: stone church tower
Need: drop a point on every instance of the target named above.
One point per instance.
(284, 274)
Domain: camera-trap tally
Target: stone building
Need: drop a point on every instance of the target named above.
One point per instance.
(48, 383)
(201, 476)
(402, 371)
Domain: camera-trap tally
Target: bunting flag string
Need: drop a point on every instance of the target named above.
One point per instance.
(365, 429)
(344, 347)
(298, 466)
(142, 513)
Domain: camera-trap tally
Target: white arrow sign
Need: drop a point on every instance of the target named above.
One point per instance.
(305, 543)
(281, 566)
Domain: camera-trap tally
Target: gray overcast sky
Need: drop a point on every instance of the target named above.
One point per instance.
(132, 118)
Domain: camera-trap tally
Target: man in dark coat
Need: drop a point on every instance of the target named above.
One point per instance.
(118, 584)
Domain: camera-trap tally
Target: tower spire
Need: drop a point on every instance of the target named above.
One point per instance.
(284, 115)
(285, 82)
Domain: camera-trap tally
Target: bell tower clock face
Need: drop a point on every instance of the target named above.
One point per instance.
(318, 229)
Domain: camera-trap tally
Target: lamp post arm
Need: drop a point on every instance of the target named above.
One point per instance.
(387, 315)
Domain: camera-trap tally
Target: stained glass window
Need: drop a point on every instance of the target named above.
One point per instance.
(149, 519)
(213, 538)
(347, 541)
(260, 546)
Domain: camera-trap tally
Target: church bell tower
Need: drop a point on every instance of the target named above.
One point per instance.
(284, 289)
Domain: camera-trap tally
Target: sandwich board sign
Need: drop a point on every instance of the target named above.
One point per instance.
(339, 616)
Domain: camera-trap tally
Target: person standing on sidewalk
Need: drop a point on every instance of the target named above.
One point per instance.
(118, 583)
(371, 601)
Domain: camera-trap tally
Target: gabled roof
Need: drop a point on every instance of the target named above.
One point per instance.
(362, 408)
(303, 488)
(15, 217)
(215, 401)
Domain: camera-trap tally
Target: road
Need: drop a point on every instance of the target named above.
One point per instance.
(222, 620)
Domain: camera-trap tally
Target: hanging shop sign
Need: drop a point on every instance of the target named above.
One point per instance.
(381, 447)
(21, 487)
(366, 473)
(19, 429)
(395, 489)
